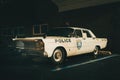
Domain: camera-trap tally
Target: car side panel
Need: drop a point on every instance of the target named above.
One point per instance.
(69, 46)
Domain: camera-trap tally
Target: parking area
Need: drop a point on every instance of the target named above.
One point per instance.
(104, 66)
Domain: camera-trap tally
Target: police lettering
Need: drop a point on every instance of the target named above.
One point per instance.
(62, 40)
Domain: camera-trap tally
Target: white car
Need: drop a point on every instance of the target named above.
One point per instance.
(60, 43)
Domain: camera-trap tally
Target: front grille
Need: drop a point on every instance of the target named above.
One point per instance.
(25, 45)
(30, 45)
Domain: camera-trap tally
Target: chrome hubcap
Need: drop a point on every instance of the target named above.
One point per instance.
(57, 55)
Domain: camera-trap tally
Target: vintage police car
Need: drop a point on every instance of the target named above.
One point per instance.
(60, 43)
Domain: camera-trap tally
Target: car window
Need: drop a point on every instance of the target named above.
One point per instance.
(78, 33)
(65, 32)
(87, 33)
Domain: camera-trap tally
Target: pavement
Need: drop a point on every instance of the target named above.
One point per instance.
(82, 67)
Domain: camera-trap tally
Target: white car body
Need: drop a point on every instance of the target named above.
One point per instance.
(72, 44)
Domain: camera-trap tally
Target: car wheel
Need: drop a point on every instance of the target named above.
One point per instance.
(96, 50)
(58, 56)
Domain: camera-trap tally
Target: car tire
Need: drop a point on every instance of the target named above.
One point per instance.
(58, 56)
(96, 50)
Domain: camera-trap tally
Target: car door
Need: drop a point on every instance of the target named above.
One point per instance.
(80, 42)
(89, 44)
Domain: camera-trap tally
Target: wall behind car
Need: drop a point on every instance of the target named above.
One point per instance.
(26, 12)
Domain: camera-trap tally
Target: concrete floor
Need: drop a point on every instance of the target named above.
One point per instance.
(83, 67)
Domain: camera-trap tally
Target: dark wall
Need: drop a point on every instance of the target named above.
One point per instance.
(116, 29)
(26, 11)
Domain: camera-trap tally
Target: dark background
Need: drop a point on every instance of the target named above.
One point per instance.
(103, 20)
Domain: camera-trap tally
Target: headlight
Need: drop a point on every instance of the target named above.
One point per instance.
(19, 44)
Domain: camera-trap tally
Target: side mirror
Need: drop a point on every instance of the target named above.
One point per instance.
(84, 35)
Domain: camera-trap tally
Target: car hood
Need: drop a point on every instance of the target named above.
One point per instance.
(36, 38)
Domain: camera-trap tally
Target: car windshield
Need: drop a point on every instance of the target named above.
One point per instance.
(65, 32)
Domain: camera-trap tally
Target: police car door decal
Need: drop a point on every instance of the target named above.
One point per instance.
(79, 44)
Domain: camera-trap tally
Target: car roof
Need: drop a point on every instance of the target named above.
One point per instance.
(75, 28)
